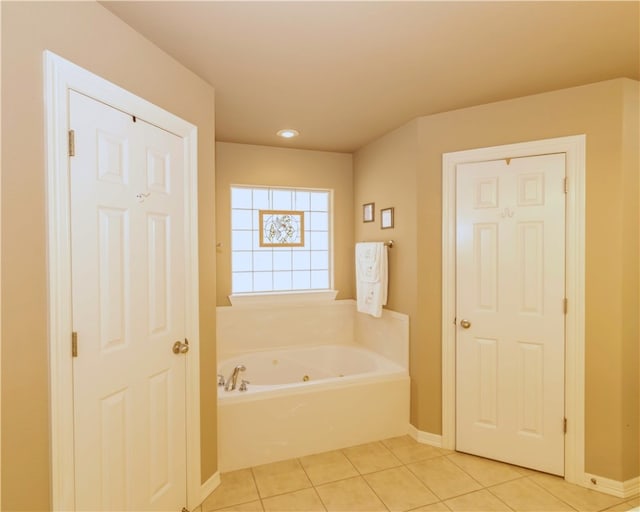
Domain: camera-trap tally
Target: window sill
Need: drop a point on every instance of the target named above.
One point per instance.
(270, 298)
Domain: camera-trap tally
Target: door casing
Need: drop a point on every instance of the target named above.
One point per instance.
(574, 147)
(61, 76)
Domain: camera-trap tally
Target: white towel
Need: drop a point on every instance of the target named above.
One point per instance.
(371, 277)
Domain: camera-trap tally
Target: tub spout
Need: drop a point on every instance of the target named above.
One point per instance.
(233, 378)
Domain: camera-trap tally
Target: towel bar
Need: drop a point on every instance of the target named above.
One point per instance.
(389, 244)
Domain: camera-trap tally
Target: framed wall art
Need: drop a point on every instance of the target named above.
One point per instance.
(386, 218)
(368, 212)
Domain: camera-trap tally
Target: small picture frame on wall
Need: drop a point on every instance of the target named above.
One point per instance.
(368, 212)
(386, 218)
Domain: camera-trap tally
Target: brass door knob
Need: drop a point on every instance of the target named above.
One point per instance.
(181, 348)
(465, 324)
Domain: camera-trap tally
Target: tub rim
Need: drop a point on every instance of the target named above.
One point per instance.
(390, 371)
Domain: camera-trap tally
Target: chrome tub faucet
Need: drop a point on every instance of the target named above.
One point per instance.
(233, 378)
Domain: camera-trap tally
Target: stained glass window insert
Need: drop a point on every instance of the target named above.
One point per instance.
(280, 239)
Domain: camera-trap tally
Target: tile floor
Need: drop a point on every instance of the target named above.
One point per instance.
(396, 475)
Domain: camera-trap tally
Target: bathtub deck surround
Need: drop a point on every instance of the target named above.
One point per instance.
(274, 324)
(387, 336)
(320, 377)
(296, 420)
(268, 323)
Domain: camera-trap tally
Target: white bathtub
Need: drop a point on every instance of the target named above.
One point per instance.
(352, 396)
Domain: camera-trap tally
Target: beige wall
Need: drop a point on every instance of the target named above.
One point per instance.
(90, 36)
(385, 173)
(244, 164)
(631, 282)
(605, 113)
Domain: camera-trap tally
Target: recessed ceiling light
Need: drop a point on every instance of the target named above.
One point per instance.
(288, 133)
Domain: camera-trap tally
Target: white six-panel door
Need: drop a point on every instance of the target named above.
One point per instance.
(127, 234)
(510, 289)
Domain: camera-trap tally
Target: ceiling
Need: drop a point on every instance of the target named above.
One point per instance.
(345, 73)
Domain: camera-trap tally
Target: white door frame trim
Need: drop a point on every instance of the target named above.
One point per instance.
(60, 77)
(574, 147)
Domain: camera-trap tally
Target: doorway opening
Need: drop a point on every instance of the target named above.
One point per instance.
(62, 77)
(573, 148)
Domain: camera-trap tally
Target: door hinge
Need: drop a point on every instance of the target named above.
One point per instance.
(565, 305)
(565, 186)
(74, 344)
(72, 143)
(564, 425)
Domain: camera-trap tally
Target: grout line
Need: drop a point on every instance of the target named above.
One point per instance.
(550, 493)
(430, 505)
(487, 486)
(374, 491)
(499, 498)
(324, 505)
(440, 500)
(349, 461)
(255, 482)
(313, 486)
(231, 505)
(465, 472)
(400, 463)
(420, 480)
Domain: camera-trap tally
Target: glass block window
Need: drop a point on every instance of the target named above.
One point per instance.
(256, 268)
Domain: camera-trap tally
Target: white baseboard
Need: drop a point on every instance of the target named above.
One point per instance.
(616, 488)
(425, 437)
(209, 486)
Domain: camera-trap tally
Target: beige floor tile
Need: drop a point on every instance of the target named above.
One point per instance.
(578, 497)
(351, 495)
(409, 450)
(478, 501)
(280, 478)
(235, 488)
(371, 457)
(328, 467)
(525, 495)
(254, 506)
(395, 442)
(436, 507)
(443, 477)
(525, 471)
(635, 501)
(487, 472)
(306, 500)
(399, 489)
(622, 507)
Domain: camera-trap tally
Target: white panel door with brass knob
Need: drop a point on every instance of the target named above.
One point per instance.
(127, 231)
(510, 291)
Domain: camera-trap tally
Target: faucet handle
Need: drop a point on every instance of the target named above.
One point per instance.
(220, 380)
(243, 385)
